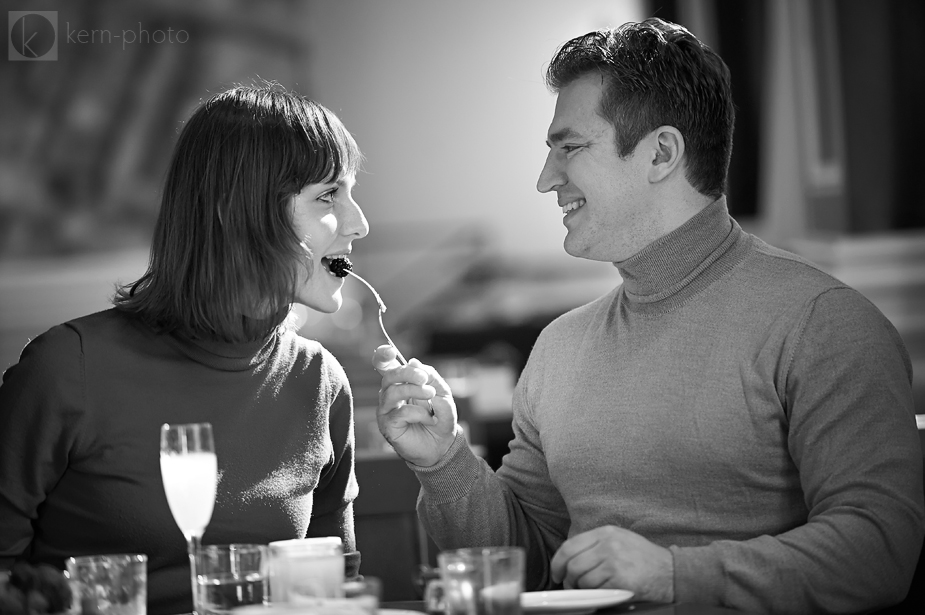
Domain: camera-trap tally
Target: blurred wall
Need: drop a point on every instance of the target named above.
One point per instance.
(85, 136)
(448, 102)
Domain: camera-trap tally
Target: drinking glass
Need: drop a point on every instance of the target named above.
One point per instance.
(108, 584)
(480, 581)
(190, 472)
(231, 576)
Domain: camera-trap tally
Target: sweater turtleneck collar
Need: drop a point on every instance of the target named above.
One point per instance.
(662, 272)
(227, 356)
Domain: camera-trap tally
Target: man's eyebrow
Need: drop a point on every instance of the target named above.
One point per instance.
(561, 135)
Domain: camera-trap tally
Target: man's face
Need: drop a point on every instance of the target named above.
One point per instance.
(601, 195)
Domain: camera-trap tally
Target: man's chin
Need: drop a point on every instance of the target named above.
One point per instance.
(579, 251)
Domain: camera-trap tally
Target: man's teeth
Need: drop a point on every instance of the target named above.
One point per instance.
(572, 206)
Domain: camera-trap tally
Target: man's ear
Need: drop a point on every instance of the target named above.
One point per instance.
(668, 149)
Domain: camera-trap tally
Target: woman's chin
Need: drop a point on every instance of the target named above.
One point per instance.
(329, 305)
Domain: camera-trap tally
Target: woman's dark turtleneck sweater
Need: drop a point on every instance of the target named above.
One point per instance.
(80, 416)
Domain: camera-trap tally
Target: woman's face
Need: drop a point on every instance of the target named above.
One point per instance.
(326, 220)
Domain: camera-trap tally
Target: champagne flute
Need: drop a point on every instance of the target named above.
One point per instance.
(189, 470)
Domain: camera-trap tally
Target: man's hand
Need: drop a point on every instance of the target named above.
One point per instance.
(415, 434)
(611, 557)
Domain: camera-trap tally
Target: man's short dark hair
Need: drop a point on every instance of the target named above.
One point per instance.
(225, 257)
(655, 74)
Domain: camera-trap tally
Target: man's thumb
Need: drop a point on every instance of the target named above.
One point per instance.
(385, 357)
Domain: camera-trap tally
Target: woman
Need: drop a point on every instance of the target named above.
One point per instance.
(257, 199)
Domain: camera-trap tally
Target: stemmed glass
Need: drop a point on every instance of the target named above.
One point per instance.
(190, 472)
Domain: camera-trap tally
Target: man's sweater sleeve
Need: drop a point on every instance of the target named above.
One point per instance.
(845, 382)
(463, 503)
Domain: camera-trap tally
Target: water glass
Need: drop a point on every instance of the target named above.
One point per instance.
(363, 595)
(482, 581)
(108, 584)
(231, 576)
(304, 570)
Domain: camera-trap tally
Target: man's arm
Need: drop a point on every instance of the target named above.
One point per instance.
(845, 380)
(464, 503)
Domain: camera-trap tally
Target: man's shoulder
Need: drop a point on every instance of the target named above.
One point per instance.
(785, 260)
(580, 318)
(776, 270)
(773, 282)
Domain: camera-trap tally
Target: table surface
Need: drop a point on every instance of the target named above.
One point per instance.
(651, 608)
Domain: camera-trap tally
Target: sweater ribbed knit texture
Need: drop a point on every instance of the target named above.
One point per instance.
(729, 401)
(80, 416)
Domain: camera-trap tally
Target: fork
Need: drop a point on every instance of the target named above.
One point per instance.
(382, 309)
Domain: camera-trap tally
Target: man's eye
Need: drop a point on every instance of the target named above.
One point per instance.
(568, 149)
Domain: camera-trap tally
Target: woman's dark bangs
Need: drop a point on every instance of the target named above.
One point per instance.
(327, 152)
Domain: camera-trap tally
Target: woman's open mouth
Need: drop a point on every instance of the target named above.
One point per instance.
(337, 265)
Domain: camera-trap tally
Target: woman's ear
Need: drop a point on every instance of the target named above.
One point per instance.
(668, 149)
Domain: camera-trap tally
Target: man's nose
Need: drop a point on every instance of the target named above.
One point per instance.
(552, 175)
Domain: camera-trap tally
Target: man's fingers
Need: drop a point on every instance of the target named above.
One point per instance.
(385, 357)
(587, 572)
(405, 374)
(435, 379)
(569, 550)
(409, 413)
(393, 394)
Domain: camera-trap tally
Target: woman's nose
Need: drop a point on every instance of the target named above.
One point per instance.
(356, 222)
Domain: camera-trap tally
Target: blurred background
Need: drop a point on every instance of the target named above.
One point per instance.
(447, 101)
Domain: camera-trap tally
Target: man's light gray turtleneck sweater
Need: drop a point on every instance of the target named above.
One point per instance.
(729, 401)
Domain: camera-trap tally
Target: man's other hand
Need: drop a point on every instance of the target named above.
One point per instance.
(615, 558)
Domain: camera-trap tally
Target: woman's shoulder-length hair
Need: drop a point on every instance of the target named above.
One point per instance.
(225, 256)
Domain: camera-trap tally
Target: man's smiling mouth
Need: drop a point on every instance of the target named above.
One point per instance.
(572, 205)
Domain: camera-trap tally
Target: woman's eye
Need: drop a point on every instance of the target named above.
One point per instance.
(328, 197)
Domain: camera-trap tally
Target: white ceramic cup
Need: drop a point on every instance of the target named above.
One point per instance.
(307, 569)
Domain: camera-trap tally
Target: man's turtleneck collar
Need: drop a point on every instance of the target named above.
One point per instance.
(662, 271)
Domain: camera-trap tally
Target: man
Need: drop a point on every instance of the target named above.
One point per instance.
(730, 425)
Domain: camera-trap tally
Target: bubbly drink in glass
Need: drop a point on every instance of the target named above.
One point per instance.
(189, 470)
(189, 481)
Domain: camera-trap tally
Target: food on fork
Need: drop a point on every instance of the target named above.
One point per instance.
(340, 266)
